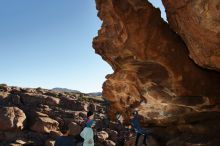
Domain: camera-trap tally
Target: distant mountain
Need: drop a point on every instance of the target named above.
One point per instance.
(65, 90)
(76, 91)
(95, 94)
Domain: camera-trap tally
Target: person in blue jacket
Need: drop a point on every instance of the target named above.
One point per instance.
(135, 122)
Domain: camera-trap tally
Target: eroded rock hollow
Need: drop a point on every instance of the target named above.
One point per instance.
(168, 72)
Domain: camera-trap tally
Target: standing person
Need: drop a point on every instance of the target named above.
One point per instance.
(87, 133)
(135, 122)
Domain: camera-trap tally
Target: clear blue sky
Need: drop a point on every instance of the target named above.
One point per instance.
(48, 43)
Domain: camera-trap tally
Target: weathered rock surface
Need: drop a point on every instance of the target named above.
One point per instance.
(113, 135)
(49, 142)
(102, 135)
(74, 128)
(11, 118)
(4, 88)
(44, 124)
(152, 70)
(33, 98)
(198, 23)
(39, 115)
(109, 143)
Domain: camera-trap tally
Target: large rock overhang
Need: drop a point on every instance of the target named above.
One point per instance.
(153, 72)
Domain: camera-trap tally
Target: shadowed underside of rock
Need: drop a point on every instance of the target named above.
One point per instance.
(152, 68)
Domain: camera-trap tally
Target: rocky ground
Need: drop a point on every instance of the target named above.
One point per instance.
(37, 116)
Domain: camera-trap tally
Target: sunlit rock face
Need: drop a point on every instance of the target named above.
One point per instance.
(198, 23)
(153, 72)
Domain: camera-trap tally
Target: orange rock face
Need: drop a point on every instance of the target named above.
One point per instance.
(152, 69)
(198, 23)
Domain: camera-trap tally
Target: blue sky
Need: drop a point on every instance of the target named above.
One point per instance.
(48, 43)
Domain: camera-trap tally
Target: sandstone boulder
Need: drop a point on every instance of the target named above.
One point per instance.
(44, 124)
(110, 143)
(81, 106)
(113, 135)
(102, 135)
(150, 141)
(4, 98)
(193, 140)
(33, 99)
(19, 141)
(197, 22)
(49, 142)
(74, 128)
(4, 88)
(11, 118)
(74, 104)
